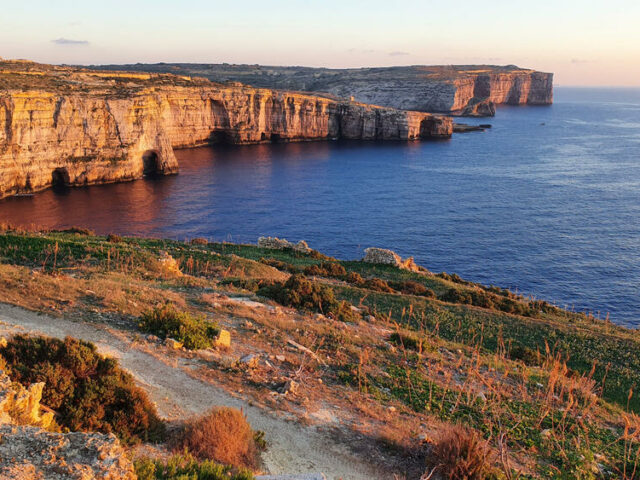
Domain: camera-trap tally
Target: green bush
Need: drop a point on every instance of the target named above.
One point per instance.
(326, 269)
(301, 293)
(345, 313)
(409, 342)
(114, 238)
(280, 265)
(525, 354)
(186, 467)
(88, 391)
(378, 285)
(410, 287)
(166, 321)
(354, 278)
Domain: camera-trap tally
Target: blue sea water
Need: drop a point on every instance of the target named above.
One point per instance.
(547, 202)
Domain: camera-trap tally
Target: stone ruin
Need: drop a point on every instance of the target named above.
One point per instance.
(280, 244)
(389, 257)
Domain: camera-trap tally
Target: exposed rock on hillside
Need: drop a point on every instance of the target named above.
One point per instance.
(281, 243)
(28, 452)
(76, 127)
(389, 257)
(456, 89)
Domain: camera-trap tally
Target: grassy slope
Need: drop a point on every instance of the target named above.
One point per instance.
(482, 337)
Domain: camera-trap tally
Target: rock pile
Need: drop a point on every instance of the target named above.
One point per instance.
(389, 257)
(29, 452)
(280, 244)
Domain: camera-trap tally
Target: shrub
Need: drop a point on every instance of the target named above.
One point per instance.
(300, 292)
(461, 454)
(326, 269)
(345, 313)
(354, 278)
(78, 231)
(526, 355)
(453, 295)
(88, 391)
(185, 467)
(224, 435)
(413, 288)
(378, 285)
(199, 241)
(166, 321)
(280, 265)
(407, 341)
(114, 238)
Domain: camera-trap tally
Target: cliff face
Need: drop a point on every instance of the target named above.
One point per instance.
(109, 127)
(458, 90)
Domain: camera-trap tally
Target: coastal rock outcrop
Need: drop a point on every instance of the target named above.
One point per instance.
(65, 126)
(29, 452)
(281, 244)
(467, 90)
(389, 257)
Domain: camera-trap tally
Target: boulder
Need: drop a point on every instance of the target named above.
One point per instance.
(250, 361)
(223, 340)
(389, 257)
(281, 243)
(172, 343)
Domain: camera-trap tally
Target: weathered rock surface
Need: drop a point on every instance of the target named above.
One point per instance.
(28, 452)
(388, 257)
(281, 243)
(60, 125)
(471, 90)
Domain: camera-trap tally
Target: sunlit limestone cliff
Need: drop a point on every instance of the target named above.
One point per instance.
(469, 90)
(71, 126)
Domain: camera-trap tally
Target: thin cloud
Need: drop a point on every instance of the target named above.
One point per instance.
(398, 54)
(67, 41)
(579, 60)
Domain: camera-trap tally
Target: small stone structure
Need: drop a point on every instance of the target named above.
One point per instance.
(280, 244)
(389, 257)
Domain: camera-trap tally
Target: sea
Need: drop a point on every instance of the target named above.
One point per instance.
(546, 202)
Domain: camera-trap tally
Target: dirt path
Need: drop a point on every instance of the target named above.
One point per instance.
(293, 448)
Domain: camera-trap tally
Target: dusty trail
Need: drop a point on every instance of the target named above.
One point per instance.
(293, 448)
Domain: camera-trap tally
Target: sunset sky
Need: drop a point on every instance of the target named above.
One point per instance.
(586, 42)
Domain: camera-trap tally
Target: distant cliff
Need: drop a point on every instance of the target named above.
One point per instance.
(457, 90)
(77, 127)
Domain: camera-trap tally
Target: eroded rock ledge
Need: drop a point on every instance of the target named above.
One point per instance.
(61, 125)
(29, 452)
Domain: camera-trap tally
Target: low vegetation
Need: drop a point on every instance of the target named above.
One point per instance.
(166, 321)
(186, 467)
(87, 391)
(223, 435)
(528, 390)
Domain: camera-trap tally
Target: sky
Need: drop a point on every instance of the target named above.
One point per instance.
(586, 42)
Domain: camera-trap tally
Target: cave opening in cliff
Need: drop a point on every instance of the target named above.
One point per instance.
(150, 163)
(60, 178)
(276, 138)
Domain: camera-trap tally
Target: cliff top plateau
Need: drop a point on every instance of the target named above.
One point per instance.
(456, 89)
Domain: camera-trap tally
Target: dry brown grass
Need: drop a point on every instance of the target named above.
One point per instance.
(460, 454)
(224, 435)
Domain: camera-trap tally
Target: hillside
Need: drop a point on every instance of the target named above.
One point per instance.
(380, 360)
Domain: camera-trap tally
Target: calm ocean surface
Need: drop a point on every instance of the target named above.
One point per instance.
(547, 202)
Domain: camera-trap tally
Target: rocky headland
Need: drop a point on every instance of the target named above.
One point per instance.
(467, 90)
(72, 126)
